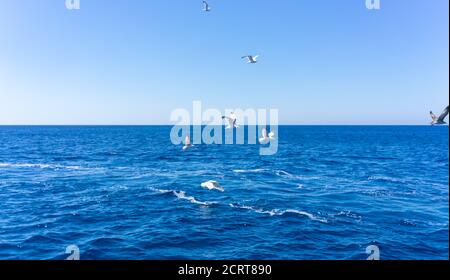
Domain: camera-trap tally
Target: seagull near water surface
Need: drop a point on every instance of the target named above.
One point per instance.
(187, 143)
(266, 137)
(212, 185)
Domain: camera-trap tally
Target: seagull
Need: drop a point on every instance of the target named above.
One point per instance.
(439, 120)
(206, 7)
(231, 121)
(266, 137)
(187, 143)
(212, 185)
(251, 58)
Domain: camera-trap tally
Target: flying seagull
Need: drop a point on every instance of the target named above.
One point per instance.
(231, 121)
(206, 7)
(187, 143)
(439, 120)
(266, 137)
(251, 58)
(212, 185)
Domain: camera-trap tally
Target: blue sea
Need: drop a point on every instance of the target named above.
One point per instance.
(126, 192)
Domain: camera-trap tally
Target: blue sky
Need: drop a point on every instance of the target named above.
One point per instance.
(134, 61)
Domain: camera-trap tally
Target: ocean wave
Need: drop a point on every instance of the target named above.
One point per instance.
(387, 179)
(42, 166)
(249, 170)
(160, 190)
(274, 212)
(278, 212)
(182, 195)
(348, 214)
(276, 172)
(282, 173)
(408, 222)
(378, 193)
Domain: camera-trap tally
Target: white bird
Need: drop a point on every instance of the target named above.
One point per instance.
(251, 58)
(231, 121)
(206, 7)
(212, 185)
(187, 143)
(439, 120)
(266, 137)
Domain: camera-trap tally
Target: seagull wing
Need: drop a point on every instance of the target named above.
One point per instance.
(248, 57)
(264, 133)
(263, 138)
(229, 120)
(252, 59)
(233, 122)
(212, 185)
(433, 116)
(215, 184)
(271, 134)
(443, 115)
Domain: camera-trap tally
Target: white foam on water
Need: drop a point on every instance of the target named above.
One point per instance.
(182, 195)
(274, 212)
(254, 209)
(348, 214)
(41, 166)
(249, 170)
(160, 190)
(279, 173)
(25, 165)
(282, 173)
(387, 179)
(303, 213)
(278, 212)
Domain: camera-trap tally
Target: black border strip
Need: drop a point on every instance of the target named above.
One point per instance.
(287, 269)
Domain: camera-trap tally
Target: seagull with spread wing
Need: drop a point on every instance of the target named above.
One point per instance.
(266, 137)
(439, 120)
(212, 185)
(251, 58)
(206, 7)
(231, 121)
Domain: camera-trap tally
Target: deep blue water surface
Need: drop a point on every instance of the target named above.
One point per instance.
(128, 193)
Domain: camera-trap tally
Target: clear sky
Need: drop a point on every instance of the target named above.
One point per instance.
(134, 61)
